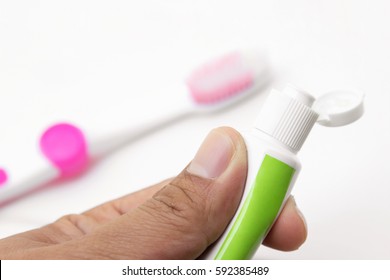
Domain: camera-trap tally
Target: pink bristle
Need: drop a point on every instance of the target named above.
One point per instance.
(222, 78)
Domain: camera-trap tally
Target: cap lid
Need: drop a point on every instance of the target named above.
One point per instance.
(339, 107)
(289, 115)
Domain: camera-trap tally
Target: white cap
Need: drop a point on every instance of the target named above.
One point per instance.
(339, 107)
(289, 116)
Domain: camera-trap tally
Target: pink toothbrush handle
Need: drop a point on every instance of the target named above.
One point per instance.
(65, 146)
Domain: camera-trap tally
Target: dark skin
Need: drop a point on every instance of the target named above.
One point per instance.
(175, 219)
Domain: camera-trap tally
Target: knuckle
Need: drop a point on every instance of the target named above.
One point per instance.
(180, 203)
(73, 219)
(73, 224)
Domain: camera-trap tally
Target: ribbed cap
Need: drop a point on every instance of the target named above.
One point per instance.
(287, 116)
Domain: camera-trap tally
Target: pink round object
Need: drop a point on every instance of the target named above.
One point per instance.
(3, 177)
(66, 147)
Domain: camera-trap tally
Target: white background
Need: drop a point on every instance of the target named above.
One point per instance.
(105, 64)
(286, 269)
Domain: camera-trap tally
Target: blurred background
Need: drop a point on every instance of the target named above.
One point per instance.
(106, 64)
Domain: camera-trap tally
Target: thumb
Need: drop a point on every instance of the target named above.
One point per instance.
(187, 215)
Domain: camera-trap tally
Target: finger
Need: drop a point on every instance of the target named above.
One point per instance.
(181, 220)
(115, 208)
(289, 231)
(68, 227)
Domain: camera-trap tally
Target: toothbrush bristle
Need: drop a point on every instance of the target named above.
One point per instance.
(220, 79)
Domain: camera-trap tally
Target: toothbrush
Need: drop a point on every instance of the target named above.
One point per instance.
(69, 151)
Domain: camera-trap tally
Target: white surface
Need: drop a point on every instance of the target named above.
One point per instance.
(102, 64)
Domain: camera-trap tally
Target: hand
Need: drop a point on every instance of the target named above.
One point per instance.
(176, 219)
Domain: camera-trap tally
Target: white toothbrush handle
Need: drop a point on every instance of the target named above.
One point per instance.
(39, 179)
(99, 147)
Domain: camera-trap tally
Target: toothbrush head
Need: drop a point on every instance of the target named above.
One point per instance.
(233, 75)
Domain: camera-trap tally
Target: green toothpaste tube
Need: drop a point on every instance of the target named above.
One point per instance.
(280, 130)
